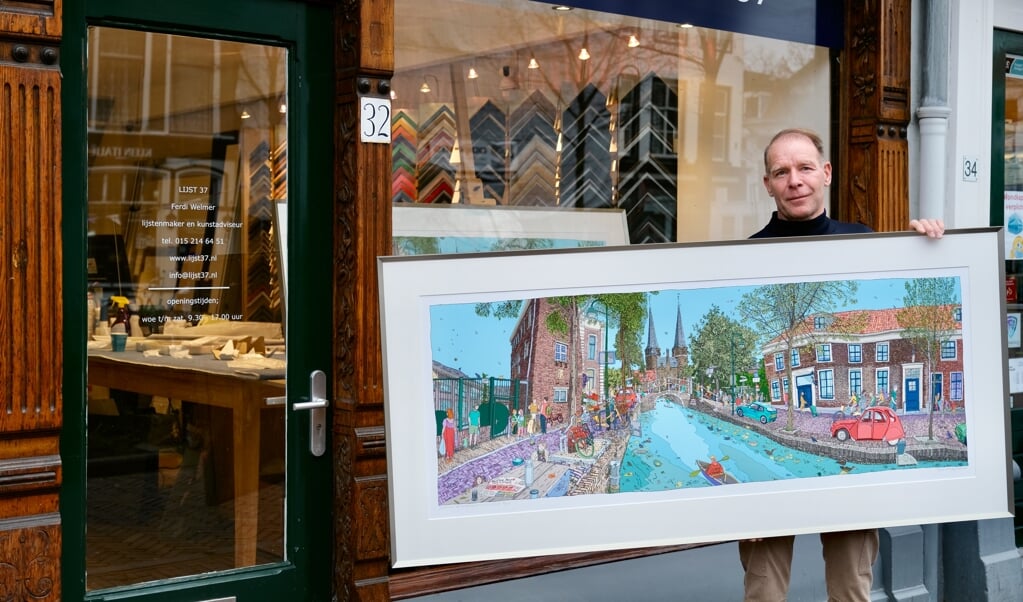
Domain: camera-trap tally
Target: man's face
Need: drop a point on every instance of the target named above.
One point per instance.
(796, 178)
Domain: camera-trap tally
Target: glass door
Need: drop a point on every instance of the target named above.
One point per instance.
(1007, 211)
(199, 471)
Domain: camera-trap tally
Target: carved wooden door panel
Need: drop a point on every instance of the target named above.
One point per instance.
(30, 305)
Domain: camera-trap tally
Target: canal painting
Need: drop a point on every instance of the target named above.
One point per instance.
(621, 397)
(690, 388)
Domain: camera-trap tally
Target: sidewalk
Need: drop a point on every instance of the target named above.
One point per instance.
(675, 576)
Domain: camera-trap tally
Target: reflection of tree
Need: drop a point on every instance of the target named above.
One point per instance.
(928, 320)
(785, 311)
(416, 245)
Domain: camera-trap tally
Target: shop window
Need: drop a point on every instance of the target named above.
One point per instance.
(496, 105)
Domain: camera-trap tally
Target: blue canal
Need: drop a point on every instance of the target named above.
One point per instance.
(664, 456)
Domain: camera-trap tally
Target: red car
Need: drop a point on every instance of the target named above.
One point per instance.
(875, 424)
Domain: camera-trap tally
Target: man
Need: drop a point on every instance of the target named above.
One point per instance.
(796, 175)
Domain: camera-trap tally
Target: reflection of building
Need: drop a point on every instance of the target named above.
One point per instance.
(829, 367)
(541, 357)
(668, 369)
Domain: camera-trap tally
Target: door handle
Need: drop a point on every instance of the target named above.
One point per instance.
(317, 406)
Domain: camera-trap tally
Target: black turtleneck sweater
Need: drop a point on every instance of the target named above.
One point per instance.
(820, 225)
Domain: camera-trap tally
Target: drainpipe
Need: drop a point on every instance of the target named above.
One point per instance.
(934, 112)
(932, 118)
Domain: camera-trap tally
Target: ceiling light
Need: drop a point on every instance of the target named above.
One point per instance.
(472, 73)
(533, 64)
(562, 7)
(633, 41)
(685, 25)
(394, 95)
(245, 115)
(584, 55)
(425, 88)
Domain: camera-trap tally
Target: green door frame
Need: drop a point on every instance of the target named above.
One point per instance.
(306, 29)
(1005, 42)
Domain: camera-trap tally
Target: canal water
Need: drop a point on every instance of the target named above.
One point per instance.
(674, 438)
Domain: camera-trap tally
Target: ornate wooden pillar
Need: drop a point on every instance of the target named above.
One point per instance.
(364, 53)
(873, 175)
(30, 266)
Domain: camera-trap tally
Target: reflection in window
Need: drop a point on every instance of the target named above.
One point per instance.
(666, 123)
(187, 159)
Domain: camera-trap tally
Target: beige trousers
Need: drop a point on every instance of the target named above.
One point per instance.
(848, 566)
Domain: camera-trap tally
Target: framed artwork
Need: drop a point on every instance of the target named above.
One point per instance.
(426, 229)
(565, 401)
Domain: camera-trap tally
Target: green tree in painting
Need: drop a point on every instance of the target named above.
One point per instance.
(787, 313)
(720, 342)
(928, 320)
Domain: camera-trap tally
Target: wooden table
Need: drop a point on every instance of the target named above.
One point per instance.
(205, 382)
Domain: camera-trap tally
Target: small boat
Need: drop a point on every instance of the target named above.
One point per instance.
(726, 479)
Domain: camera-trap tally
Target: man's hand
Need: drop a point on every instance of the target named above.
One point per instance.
(933, 228)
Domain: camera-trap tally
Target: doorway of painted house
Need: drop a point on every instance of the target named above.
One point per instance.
(202, 477)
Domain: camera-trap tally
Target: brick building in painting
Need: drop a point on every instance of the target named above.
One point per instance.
(541, 357)
(829, 367)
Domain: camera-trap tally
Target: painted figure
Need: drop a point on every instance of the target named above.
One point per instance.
(474, 426)
(448, 435)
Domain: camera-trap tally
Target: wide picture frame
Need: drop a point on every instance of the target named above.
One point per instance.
(786, 386)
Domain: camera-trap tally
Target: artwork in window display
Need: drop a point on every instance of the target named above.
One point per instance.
(692, 399)
(444, 229)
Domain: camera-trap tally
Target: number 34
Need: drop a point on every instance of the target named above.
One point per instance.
(970, 169)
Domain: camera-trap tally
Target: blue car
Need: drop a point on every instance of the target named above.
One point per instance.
(758, 410)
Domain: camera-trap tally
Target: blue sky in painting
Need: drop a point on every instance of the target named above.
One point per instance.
(475, 345)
